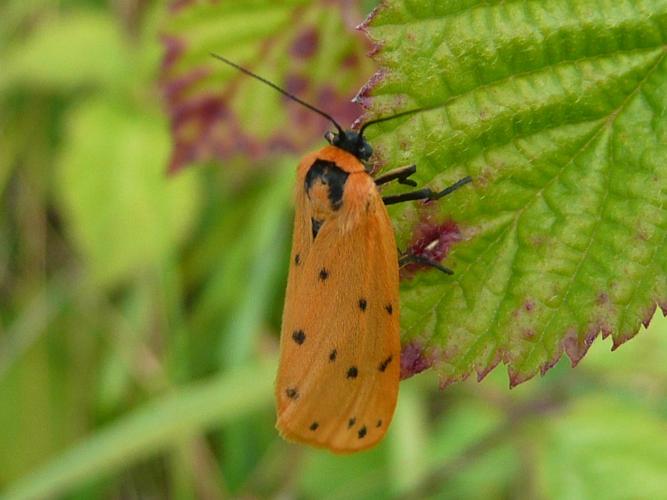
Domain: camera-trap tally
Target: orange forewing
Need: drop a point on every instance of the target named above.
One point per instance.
(338, 377)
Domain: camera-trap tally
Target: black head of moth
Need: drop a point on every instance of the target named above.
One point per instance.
(350, 141)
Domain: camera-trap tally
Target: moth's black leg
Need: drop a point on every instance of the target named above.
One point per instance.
(401, 174)
(425, 194)
(404, 260)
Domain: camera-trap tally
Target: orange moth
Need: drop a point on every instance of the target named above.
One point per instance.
(338, 377)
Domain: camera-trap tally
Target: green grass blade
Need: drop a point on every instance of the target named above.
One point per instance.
(150, 429)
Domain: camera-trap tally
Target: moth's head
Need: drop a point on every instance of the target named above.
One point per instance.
(351, 141)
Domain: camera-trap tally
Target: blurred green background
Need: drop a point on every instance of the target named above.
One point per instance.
(139, 315)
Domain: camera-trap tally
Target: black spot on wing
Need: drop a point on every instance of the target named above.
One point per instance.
(332, 355)
(384, 364)
(351, 422)
(324, 274)
(362, 432)
(389, 308)
(352, 372)
(292, 393)
(362, 304)
(314, 426)
(379, 423)
(315, 226)
(299, 336)
(297, 259)
(332, 176)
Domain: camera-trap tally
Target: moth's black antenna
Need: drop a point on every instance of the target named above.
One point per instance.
(282, 91)
(387, 118)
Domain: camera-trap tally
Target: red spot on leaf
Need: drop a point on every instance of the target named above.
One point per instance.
(529, 305)
(486, 177)
(414, 360)
(431, 241)
(528, 334)
(306, 43)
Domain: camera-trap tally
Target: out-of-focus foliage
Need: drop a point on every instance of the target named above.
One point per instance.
(139, 315)
(214, 109)
(143, 215)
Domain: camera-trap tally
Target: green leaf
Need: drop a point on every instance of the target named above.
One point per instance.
(123, 212)
(557, 111)
(183, 413)
(217, 111)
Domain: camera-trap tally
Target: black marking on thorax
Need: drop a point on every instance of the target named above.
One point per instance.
(315, 226)
(330, 175)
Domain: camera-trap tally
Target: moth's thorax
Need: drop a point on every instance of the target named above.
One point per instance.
(325, 185)
(344, 160)
(333, 183)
